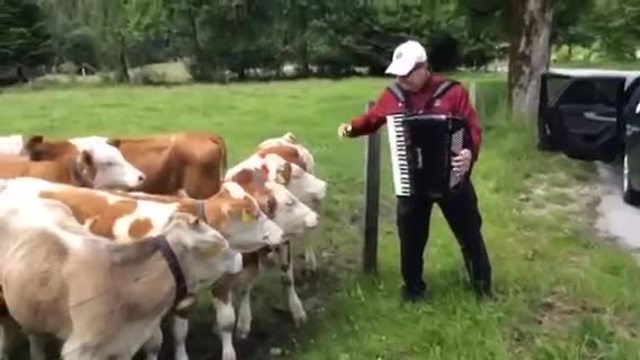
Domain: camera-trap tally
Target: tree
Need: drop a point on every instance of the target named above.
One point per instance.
(529, 53)
(23, 36)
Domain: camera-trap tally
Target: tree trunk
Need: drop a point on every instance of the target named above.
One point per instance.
(122, 61)
(195, 36)
(304, 50)
(529, 54)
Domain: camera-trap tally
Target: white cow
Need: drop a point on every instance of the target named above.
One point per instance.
(102, 298)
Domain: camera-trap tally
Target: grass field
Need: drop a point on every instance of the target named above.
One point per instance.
(563, 293)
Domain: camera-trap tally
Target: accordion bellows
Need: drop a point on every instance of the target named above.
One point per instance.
(422, 147)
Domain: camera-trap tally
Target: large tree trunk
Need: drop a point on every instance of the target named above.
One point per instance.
(529, 54)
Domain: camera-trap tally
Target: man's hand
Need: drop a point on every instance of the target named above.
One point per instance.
(344, 130)
(462, 162)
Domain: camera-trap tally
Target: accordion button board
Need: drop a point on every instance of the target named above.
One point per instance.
(421, 148)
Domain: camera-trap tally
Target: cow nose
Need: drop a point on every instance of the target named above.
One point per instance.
(311, 221)
(141, 177)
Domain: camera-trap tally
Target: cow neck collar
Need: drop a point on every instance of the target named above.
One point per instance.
(76, 174)
(201, 211)
(182, 292)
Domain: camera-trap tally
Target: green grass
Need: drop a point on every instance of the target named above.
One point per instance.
(563, 293)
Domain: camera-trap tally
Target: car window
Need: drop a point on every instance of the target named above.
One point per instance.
(591, 92)
(554, 86)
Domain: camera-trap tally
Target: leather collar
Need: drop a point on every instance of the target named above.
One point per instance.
(176, 270)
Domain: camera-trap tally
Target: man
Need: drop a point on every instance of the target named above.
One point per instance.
(416, 86)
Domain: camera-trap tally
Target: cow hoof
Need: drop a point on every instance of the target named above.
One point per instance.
(300, 319)
(228, 355)
(242, 333)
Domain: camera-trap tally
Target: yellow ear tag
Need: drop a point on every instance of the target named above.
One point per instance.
(280, 178)
(211, 251)
(245, 217)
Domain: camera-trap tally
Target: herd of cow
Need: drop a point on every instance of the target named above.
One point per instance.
(102, 238)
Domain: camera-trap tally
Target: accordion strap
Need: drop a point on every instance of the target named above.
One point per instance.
(442, 89)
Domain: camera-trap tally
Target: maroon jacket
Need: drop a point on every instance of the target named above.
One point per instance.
(455, 102)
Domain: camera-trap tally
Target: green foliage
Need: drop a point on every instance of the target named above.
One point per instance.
(222, 40)
(618, 22)
(23, 36)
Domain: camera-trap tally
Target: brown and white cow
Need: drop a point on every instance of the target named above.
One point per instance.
(303, 180)
(187, 163)
(273, 172)
(104, 299)
(97, 165)
(288, 213)
(123, 217)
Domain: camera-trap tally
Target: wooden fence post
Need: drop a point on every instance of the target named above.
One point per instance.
(473, 93)
(371, 202)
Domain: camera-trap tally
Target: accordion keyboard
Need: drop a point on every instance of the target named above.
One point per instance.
(399, 161)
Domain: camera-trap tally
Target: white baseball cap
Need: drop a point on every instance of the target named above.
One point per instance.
(405, 57)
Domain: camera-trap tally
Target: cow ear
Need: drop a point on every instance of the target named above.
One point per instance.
(86, 158)
(290, 137)
(114, 142)
(33, 141)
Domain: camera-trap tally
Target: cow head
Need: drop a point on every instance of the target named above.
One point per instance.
(289, 213)
(304, 185)
(239, 217)
(106, 168)
(292, 215)
(208, 254)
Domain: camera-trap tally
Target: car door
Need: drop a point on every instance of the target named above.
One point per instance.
(632, 135)
(579, 115)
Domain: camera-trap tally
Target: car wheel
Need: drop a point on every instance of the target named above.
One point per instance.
(630, 195)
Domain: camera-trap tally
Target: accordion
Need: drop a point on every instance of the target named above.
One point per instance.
(422, 147)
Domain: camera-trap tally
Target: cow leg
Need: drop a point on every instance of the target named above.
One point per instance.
(250, 272)
(37, 346)
(286, 265)
(309, 253)
(225, 316)
(74, 349)
(4, 342)
(180, 328)
(153, 345)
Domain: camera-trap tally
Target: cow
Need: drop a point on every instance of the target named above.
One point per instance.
(123, 217)
(290, 149)
(251, 173)
(103, 299)
(187, 164)
(288, 213)
(97, 165)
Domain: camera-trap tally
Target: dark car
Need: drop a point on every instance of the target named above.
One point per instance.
(594, 115)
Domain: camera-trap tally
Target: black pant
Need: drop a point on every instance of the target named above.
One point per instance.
(460, 209)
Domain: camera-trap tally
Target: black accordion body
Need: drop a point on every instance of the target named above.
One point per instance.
(422, 147)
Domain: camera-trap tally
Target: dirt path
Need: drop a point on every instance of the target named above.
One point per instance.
(616, 219)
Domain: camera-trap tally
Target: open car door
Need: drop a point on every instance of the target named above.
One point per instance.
(580, 115)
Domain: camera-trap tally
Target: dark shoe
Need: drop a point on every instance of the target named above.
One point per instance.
(413, 295)
(485, 295)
